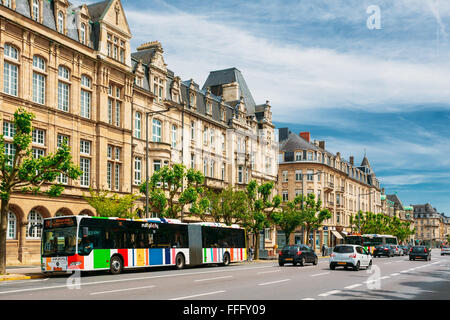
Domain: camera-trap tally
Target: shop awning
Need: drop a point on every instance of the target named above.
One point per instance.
(336, 234)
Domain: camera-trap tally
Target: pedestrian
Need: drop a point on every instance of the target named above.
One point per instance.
(323, 250)
(250, 254)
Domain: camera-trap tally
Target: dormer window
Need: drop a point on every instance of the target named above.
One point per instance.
(7, 3)
(60, 22)
(35, 10)
(209, 108)
(83, 33)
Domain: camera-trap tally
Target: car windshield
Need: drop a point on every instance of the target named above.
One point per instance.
(343, 249)
(418, 249)
(289, 248)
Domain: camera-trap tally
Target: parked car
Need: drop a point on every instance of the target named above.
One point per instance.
(445, 250)
(297, 254)
(383, 250)
(349, 255)
(397, 250)
(420, 252)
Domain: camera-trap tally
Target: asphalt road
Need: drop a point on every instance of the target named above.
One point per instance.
(390, 278)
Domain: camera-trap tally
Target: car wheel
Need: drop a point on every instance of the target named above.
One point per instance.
(358, 265)
(302, 262)
(332, 267)
(370, 265)
(294, 263)
(316, 261)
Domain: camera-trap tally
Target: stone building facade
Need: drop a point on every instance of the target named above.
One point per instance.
(431, 226)
(305, 166)
(72, 66)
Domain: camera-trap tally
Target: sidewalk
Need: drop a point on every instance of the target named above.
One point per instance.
(22, 273)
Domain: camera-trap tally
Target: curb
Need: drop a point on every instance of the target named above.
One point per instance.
(22, 278)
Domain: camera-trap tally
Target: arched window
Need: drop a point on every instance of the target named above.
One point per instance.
(34, 218)
(35, 10)
(83, 33)
(156, 130)
(12, 226)
(137, 125)
(60, 22)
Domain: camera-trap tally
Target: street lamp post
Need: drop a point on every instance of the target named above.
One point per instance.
(146, 155)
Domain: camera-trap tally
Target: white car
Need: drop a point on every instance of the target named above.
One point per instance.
(349, 255)
(398, 250)
(445, 250)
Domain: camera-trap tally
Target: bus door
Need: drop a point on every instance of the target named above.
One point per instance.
(195, 244)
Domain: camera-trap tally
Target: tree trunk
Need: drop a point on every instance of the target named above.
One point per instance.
(256, 257)
(3, 231)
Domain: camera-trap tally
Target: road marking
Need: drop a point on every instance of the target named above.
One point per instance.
(119, 290)
(326, 294)
(353, 286)
(319, 274)
(404, 271)
(198, 295)
(308, 299)
(268, 271)
(133, 279)
(272, 282)
(385, 277)
(387, 263)
(213, 278)
(20, 281)
(395, 274)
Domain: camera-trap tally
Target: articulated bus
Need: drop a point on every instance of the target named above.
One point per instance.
(96, 243)
(369, 241)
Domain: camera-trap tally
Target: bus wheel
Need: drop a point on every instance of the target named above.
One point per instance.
(116, 265)
(179, 261)
(226, 259)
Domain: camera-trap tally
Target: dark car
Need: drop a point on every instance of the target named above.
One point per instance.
(420, 252)
(297, 254)
(383, 250)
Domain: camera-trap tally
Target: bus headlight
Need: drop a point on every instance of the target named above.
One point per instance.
(75, 263)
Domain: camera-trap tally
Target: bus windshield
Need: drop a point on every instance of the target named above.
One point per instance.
(59, 241)
(353, 240)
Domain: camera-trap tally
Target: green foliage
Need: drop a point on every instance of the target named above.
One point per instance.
(113, 205)
(289, 218)
(167, 196)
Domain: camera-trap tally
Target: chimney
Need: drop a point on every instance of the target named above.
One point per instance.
(352, 160)
(306, 136)
(322, 145)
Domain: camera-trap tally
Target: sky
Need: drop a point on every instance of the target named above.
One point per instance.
(382, 91)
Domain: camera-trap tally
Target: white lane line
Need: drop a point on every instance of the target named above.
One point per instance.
(133, 279)
(199, 280)
(198, 295)
(326, 294)
(308, 299)
(268, 271)
(120, 290)
(353, 286)
(385, 277)
(21, 281)
(404, 271)
(272, 282)
(395, 274)
(319, 274)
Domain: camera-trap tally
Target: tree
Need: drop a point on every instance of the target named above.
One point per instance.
(21, 172)
(112, 206)
(259, 209)
(227, 206)
(168, 196)
(289, 218)
(312, 214)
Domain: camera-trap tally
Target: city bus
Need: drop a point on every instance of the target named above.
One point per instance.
(369, 241)
(97, 243)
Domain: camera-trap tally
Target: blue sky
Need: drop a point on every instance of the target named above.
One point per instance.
(385, 91)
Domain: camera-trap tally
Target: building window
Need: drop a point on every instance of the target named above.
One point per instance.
(285, 176)
(85, 102)
(85, 166)
(212, 169)
(117, 176)
(38, 136)
(240, 174)
(35, 10)
(309, 175)
(156, 165)
(63, 88)
(205, 167)
(174, 136)
(83, 33)
(285, 195)
(192, 130)
(38, 80)
(12, 226)
(34, 218)
(117, 113)
(137, 125)
(298, 175)
(85, 147)
(9, 129)
(60, 141)
(10, 71)
(223, 171)
(60, 22)
(156, 130)
(298, 156)
(211, 134)
(137, 171)
(7, 3)
(209, 108)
